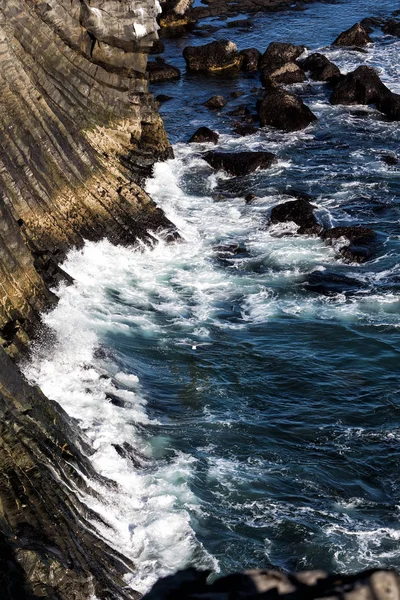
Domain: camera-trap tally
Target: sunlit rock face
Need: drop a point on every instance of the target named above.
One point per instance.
(79, 131)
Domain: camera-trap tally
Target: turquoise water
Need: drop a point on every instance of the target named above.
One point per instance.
(260, 415)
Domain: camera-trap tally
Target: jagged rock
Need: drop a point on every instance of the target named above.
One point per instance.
(160, 71)
(392, 27)
(250, 58)
(356, 36)
(263, 584)
(363, 86)
(371, 23)
(239, 163)
(284, 111)
(215, 102)
(321, 68)
(214, 56)
(176, 13)
(298, 211)
(277, 64)
(204, 134)
(354, 243)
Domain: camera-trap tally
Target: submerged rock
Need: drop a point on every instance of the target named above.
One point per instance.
(160, 71)
(298, 211)
(354, 243)
(363, 86)
(215, 102)
(356, 36)
(239, 163)
(215, 56)
(390, 159)
(204, 134)
(330, 284)
(284, 111)
(321, 68)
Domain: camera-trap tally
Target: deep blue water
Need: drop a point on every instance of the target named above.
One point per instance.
(265, 416)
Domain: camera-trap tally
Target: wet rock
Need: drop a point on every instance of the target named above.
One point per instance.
(229, 250)
(161, 71)
(163, 98)
(284, 111)
(321, 68)
(176, 13)
(215, 102)
(236, 94)
(298, 211)
(250, 59)
(371, 23)
(249, 198)
(329, 283)
(363, 86)
(244, 130)
(239, 163)
(204, 134)
(356, 244)
(356, 36)
(240, 23)
(240, 111)
(215, 56)
(390, 159)
(157, 47)
(392, 27)
(277, 64)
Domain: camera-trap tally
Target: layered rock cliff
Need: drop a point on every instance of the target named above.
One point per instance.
(78, 131)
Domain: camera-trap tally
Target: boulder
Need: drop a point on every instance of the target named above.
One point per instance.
(284, 111)
(239, 163)
(204, 134)
(243, 130)
(277, 64)
(330, 284)
(354, 243)
(176, 13)
(356, 36)
(215, 102)
(321, 68)
(157, 47)
(391, 27)
(298, 211)
(250, 59)
(160, 71)
(389, 159)
(214, 56)
(371, 23)
(363, 86)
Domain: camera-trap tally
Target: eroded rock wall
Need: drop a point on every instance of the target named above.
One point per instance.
(78, 133)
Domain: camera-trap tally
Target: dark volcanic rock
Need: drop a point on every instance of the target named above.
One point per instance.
(284, 111)
(321, 68)
(214, 56)
(244, 129)
(298, 211)
(215, 102)
(392, 27)
(204, 134)
(363, 86)
(329, 283)
(240, 163)
(371, 23)
(390, 159)
(354, 243)
(160, 71)
(356, 36)
(250, 59)
(277, 63)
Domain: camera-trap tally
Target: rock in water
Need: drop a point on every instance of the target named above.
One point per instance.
(215, 56)
(204, 134)
(215, 102)
(284, 111)
(159, 71)
(354, 243)
(239, 163)
(250, 59)
(321, 68)
(356, 36)
(298, 211)
(363, 86)
(277, 63)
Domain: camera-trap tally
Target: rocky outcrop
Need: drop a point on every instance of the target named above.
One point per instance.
(356, 36)
(277, 64)
(321, 68)
(215, 56)
(240, 163)
(299, 211)
(79, 132)
(284, 111)
(274, 585)
(204, 135)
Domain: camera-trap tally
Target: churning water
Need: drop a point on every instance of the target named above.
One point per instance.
(250, 419)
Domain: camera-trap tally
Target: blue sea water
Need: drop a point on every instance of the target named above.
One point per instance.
(248, 419)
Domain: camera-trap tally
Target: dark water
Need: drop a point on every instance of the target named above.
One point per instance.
(264, 414)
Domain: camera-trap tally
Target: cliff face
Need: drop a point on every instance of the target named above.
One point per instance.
(78, 132)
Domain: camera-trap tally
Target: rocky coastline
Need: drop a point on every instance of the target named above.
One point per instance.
(80, 134)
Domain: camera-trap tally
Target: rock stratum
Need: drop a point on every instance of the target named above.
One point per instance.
(79, 133)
